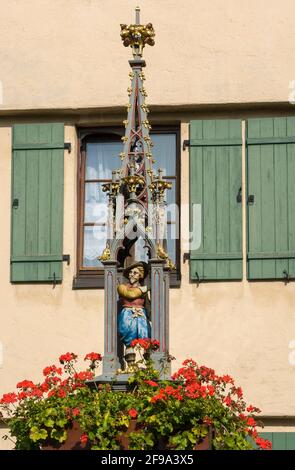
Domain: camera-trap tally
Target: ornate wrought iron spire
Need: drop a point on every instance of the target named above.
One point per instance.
(137, 212)
(142, 189)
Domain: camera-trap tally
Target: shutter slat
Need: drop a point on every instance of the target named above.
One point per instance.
(37, 222)
(271, 221)
(215, 179)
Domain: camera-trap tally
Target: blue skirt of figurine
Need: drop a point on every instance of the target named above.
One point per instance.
(131, 326)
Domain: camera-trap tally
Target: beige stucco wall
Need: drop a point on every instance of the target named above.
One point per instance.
(67, 54)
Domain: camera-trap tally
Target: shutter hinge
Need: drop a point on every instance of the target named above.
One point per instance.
(15, 203)
(66, 258)
(239, 195)
(287, 277)
(186, 257)
(68, 146)
(186, 143)
(251, 199)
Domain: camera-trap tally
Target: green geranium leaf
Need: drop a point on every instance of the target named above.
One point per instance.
(49, 423)
(50, 412)
(61, 422)
(59, 434)
(37, 434)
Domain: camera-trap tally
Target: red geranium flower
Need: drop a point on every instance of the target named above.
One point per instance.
(62, 393)
(68, 357)
(84, 375)
(155, 344)
(84, 438)
(211, 390)
(189, 362)
(227, 379)
(263, 443)
(25, 384)
(52, 370)
(133, 413)
(75, 411)
(93, 357)
(251, 422)
(9, 398)
(151, 383)
(146, 343)
(253, 409)
(22, 395)
(228, 400)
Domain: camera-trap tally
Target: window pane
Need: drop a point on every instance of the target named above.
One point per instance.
(164, 152)
(94, 244)
(171, 241)
(172, 210)
(102, 158)
(96, 204)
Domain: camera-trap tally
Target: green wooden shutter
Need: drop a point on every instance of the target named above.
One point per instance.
(37, 202)
(280, 440)
(271, 217)
(215, 199)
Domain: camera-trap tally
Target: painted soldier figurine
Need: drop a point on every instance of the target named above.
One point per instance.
(133, 317)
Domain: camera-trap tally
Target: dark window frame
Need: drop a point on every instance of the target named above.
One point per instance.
(93, 278)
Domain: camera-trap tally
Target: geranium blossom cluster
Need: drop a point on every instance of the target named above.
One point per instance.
(174, 409)
(146, 343)
(202, 383)
(55, 383)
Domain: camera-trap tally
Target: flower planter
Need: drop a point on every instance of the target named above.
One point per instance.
(75, 432)
(72, 442)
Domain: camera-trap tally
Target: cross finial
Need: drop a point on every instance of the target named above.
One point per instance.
(137, 15)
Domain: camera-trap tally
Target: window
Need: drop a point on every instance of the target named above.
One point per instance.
(99, 155)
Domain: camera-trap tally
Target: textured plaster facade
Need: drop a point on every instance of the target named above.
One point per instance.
(63, 61)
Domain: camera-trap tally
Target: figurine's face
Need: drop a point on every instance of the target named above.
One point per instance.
(134, 275)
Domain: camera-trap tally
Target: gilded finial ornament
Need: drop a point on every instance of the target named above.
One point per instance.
(133, 182)
(137, 36)
(161, 253)
(106, 254)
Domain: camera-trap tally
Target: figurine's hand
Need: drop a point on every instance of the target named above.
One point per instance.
(143, 289)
